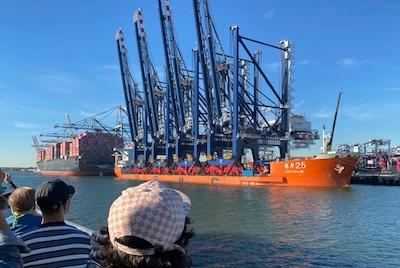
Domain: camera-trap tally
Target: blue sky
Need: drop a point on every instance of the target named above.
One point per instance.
(60, 56)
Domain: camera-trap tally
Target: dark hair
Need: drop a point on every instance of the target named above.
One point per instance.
(107, 256)
(3, 203)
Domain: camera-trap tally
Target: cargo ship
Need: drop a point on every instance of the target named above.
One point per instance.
(321, 171)
(87, 154)
(220, 122)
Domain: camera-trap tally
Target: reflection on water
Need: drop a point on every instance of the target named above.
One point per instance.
(268, 227)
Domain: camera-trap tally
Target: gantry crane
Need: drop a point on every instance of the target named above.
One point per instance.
(133, 99)
(179, 89)
(152, 91)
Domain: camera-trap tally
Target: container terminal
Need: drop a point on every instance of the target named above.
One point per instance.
(379, 163)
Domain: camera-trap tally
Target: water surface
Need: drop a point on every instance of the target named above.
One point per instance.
(267, 227)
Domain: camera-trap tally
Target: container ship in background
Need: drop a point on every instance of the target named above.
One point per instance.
(87, 154)
(82, 148)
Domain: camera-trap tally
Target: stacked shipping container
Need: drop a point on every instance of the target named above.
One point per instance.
(93, 148)
(65, 148)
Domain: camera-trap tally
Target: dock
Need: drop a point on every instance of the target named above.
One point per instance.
(376, 178)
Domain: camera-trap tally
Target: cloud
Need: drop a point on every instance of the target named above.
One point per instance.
(25, 125)
(303, 62)
(356, 112)
(299, 103)
(12, 107)
(104, 68)
(86, 114)
(392, 89)
(61, 78)
(349, 62)
(269, 15)
(323, 113)
(109, 72)
(360, 112)
(110, 67)
(59, 82)
(274, 66)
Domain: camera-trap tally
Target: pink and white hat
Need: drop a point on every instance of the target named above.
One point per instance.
(150, 211)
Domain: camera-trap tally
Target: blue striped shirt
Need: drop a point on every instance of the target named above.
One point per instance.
(23, 223)
(56, 245)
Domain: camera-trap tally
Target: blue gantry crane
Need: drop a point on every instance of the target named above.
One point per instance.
(179, 88)
(153, 93)
(133, 98)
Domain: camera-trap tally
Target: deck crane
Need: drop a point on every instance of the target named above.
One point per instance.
(133, 100)
(153, 91)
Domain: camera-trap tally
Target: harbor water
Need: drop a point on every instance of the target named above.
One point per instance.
(356, 226)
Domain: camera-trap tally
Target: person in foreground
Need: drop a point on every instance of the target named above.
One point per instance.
(22, 204)
(10, 247)
(55, 243)
(147, 227)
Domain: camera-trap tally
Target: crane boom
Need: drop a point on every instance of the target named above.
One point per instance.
(126, 82)
(36, 144)
(329, 144)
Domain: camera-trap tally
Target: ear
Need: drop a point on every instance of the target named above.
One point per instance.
(67, 205)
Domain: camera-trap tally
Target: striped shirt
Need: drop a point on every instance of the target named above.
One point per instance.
(23, 224)
(56, 245)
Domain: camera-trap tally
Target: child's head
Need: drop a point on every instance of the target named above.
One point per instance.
(22, 200)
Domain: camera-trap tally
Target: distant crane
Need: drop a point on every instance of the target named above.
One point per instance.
(96, 123)
(329, 143)
(71, 131)
(36, 144)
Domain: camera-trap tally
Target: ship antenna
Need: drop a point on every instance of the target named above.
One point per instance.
(329, 144)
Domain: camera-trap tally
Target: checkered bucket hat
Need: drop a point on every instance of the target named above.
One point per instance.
(150, 211)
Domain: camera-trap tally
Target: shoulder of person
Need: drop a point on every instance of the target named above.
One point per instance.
(77, 230)
(10, 219)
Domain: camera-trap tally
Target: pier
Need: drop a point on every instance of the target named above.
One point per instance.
(376, 178)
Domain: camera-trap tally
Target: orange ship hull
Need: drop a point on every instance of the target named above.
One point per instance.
(316, 172)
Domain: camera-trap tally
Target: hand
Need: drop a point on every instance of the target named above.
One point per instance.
(7, 179)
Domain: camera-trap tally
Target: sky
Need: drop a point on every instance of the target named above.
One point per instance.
(60, 57)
